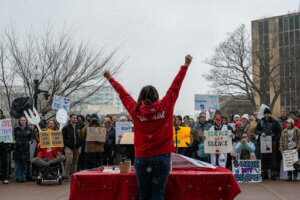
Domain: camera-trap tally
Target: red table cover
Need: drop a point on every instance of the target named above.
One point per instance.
(186, 182)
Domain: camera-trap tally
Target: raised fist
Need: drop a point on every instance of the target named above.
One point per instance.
(188, 60)
(107, 74)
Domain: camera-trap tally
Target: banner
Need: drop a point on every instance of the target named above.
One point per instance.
(217, 142)
(266, 144)
(183, 136)
(121, 128)
(247, 170)
(96, 134)
(51, 139)
(289, 157)
(206, 102)
(6, 130)
(61, 102)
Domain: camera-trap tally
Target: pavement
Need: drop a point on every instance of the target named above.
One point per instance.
(268, 190)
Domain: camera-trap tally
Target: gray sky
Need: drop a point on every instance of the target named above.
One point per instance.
(157, 33)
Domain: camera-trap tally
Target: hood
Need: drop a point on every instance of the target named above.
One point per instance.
(150, 110)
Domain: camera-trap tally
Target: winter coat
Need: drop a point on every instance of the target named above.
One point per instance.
(153, 134)
(245, 151)
(43, 151)
(270, 127)
(23, 135)
(109, 144)
(240, 130)
(296, 124)
(282, 122)
(284, 139)
(197, 144)
(71, 136)
(91, 147)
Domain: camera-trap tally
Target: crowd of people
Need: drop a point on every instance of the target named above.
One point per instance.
(79, 154)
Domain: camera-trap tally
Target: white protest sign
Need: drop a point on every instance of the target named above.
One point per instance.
(217, 142)
(33, 118)
(6, 131)
(62, 117)
(247, 170)
(206, 102)
(261, 111)
(289, 157)
(266, 144)
(60, 102)
(121, 128)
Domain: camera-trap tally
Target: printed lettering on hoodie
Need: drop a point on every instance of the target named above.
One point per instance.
(159, 115)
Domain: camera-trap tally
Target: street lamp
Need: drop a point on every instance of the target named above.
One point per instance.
(37, 91)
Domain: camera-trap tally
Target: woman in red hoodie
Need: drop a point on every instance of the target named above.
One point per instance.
(153, 133)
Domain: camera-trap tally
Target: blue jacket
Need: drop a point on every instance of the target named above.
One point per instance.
(245, 151)
(202, 127)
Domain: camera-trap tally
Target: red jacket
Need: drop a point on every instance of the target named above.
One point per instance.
(153, 125)
(42, 151)
(296, 124)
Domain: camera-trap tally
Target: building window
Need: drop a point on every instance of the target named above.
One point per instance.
(266, 27)
(280, 39)
(260, 28)
(291, 22)
(280, 25)
(286, 23)
(297, 39)
(286, 39)
(266, 40)
(297, 22)
(292, 38)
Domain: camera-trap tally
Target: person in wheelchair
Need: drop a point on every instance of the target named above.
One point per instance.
(48, 156)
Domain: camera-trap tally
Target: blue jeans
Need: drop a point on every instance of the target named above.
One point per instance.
(152, 175)
(4, 163)
(21, 171)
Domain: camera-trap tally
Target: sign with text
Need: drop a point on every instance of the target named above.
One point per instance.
(127, 138)
(121, 128)
(51, 139)
(247, 170)
(6, 130)
(217, 142)
(206, 102)
(289, 157)
(61, 102)
(96, 134)
(183, 136)
(266, 144)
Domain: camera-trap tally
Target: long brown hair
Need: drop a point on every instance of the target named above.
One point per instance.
(148, 95)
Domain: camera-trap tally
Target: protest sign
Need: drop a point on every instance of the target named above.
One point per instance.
(60, 102)
(289, 157)
(6, 130)
(127, 138)
(247, 170)
(183, 136)
(261, 111)
(206, 102)
(217, 142)
(96, 134)
(266, 144)
(121, 128)
(51, 139)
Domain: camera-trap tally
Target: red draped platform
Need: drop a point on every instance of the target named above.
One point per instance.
(189, 179)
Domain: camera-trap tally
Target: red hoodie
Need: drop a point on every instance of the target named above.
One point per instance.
(153, 125)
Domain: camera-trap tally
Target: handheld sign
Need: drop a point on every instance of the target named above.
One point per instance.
(247, 170)
(6, 130)
(121, 128)
(217, 142)
(127, 138)
(60, 102)
(183, 136)
(33, 118)
(96, 134)
(62, 117)
(289, 157)
(51, 139)
(266, 144)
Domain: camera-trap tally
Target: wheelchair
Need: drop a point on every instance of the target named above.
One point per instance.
(50, 173)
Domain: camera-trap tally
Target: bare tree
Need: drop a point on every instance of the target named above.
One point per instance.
(64, 66)
(232, 69)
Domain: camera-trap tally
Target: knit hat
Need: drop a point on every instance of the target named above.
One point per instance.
(293, 112)
(202, 114)
(96, 116)
(267, 110)
(290, 120)
(246, 117)
(236, 115)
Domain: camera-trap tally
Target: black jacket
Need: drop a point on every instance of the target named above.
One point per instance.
(22, 137)
(109, 144)
(71, 136)
(270, 127)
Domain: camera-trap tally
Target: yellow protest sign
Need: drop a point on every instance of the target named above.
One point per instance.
(183, 136)
(51, 139)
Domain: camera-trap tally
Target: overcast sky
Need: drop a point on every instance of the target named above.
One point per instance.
(157, 33)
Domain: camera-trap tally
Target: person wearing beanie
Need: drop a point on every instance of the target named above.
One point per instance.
(94, 151)
(293, 116)
(268, 126)
(236, 118)
(283, 117)
(244, 127)
(290, 140)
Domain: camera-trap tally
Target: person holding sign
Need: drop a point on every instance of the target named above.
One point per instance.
(245, 149)
(153, 129)
(290, 140)
(268, 126)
